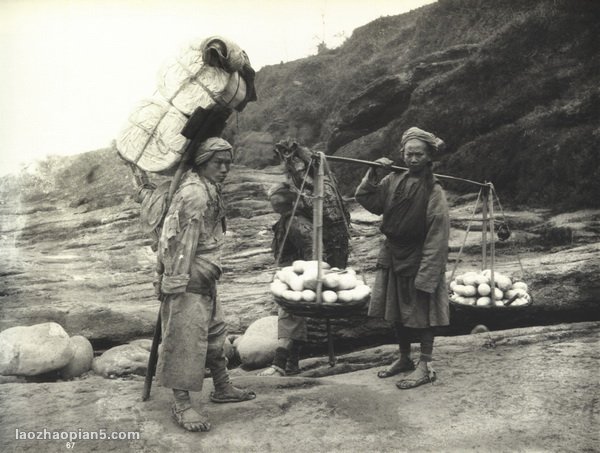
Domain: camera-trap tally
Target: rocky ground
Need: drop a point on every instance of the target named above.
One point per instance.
(533, 389)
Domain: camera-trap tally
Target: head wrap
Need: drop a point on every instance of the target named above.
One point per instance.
(289, 148)
(280, 188)
(437, 144)
(208, 148)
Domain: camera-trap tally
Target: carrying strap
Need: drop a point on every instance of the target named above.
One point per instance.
(289, 225)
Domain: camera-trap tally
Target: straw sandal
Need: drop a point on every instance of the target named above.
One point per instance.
(272, 370)
(411, 382)
(190, 421)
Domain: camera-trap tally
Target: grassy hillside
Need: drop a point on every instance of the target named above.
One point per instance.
(510, 85)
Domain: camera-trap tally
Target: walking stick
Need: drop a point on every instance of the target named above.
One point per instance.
(152, 360)
(201, 125)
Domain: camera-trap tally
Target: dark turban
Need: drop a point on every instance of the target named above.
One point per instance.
(437, 144)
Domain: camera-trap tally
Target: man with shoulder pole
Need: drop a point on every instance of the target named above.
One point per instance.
(189, 255)
(410, 287)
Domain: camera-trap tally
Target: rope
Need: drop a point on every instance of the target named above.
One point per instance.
(495, 194)
(341, 206)
(287, 229)
(338, 196)
(466, 234)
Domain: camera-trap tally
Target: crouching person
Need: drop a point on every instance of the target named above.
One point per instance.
(189, 253)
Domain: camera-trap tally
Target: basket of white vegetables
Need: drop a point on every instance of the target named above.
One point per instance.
(339, 293)
(486, 290)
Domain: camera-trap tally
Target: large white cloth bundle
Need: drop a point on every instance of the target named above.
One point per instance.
(204, 74)
(188, 83)
(151, 139)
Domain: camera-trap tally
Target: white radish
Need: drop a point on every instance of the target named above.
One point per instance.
(469, 291)
(346, 281)
(295, 282)
(331, 280)
(520, 285)
(484, 302)
(498, 294)
(484, 289)
(295, 296)
(298, 266)
(329, 296)
(309, 295)
(345, 295)
(470, 279)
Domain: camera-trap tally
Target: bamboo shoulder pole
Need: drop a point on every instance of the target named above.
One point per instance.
(318, 223)
(484, 227)
(350, 160)
(492, 245)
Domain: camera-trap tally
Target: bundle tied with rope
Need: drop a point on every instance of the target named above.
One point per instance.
(197, 90)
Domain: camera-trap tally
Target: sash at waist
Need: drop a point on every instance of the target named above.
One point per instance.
(404, 259)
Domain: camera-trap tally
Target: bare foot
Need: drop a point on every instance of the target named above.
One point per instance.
(231, 394)
(398, 366)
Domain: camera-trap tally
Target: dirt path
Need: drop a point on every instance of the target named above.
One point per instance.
(527, 390)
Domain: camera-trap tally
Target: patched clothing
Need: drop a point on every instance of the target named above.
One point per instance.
(189, 250)
(410, 284)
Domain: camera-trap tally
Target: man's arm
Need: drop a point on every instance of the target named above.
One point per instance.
(371, 194)
(179, 239)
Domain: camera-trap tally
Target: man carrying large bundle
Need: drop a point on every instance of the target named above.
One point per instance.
(189, 255)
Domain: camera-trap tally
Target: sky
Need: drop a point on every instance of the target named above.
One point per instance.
(72, 70)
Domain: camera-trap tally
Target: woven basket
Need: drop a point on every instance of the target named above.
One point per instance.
(474, 308)
(323, 309)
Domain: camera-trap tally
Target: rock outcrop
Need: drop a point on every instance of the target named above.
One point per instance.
(74, 254)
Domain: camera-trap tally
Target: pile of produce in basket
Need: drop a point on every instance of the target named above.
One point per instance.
(473, 288)
(298, 282)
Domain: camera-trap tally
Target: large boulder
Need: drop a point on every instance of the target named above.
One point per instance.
(143, 343)
(122, 360)
(81, 362)
(256, 347)
(33, 350)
